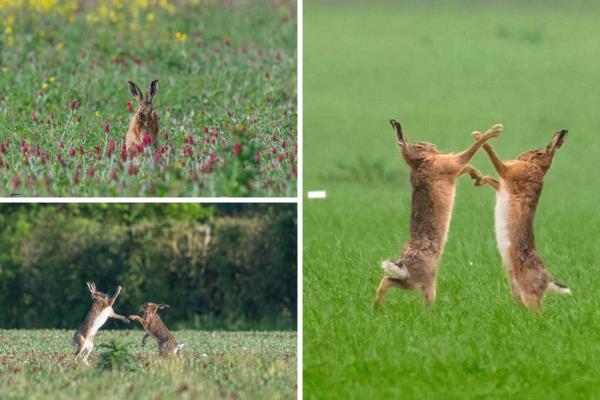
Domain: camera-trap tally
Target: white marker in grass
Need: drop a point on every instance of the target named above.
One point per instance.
(319, 194)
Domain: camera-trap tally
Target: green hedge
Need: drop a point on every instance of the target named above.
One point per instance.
(242, 276)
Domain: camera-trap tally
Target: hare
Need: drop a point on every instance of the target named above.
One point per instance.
(101, 310)
(145, 121)
(517, 195)
(433, 179)
(155, 327)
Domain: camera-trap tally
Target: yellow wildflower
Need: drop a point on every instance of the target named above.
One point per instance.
(60, 45)
(181, 37)
(150, 17)
(10, 19)
(98, 114)
(8, 30)
(5, 69)
(52, 79)
(44, 86)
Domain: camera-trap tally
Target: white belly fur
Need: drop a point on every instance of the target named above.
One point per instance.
(101, 320)
(501, 220)
(447, 227)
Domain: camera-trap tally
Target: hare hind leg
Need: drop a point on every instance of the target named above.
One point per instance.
(88, 346)
(533, 301)
(429, 291)
(385, 284)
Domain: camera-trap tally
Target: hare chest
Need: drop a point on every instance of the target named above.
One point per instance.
(450, 205)
(501, 221)
(101, 320)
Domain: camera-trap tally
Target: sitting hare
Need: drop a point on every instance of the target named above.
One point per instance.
(155, 327)
(101, 310)
(145, 121)
(517, 194)
(433, 179)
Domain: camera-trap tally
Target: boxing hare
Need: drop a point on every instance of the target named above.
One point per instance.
(517, 195)
(155, 327)
(144, 123)
(101, 310)
(433, 179)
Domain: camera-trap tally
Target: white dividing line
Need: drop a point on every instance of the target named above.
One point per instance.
(318, 194)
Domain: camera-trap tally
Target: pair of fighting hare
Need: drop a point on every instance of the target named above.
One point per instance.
(433, 179)
(101, 310)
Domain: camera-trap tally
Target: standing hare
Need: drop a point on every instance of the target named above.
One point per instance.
(155, 327)
(433, 178)
(517, 195)
(101, 310)
(144, 122)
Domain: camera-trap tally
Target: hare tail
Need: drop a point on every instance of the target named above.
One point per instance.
(559, 288)
(394, 271)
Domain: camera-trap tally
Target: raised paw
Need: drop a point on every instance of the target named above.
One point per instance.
(482, 180)
(476, 135)
(494, 131)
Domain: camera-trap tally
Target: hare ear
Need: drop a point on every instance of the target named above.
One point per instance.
(557, 140)
(135, 91)
(153, 90)
(163, 306)
(91, 287)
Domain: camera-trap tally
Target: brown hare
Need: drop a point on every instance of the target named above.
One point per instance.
(155, 327)
(433, 179)
(517, 195)
(144, 123)
(101, 310)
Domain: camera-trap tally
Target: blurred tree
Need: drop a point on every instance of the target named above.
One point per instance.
(217, 266)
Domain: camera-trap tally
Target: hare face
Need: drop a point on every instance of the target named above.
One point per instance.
(415, 153)
(150, 309)
(98, 297)
(543, 157)
(144, 112)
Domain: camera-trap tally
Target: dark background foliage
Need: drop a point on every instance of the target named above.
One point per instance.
(242, 277)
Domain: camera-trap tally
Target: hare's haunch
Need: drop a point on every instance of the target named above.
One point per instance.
(433, 179)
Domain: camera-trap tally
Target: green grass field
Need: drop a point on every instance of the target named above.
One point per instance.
(226, 97)
(38, 364)
(444, 72)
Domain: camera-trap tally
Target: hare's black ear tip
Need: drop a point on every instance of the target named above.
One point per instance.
(564, 132)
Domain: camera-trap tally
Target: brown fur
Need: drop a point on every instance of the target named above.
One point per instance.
(523, 179)
(145, 120)
(433, 178)
(83, 340)
(155, 327)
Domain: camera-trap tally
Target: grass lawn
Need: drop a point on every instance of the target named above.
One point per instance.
(38, 364)
(226, 98)
(444, 72)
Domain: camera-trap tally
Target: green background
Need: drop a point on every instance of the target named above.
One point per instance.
(444, 71)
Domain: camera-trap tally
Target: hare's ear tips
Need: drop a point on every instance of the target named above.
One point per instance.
(163, 306)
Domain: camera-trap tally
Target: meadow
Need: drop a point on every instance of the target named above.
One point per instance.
(37, 364)
(444, 72)
(226, 97)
